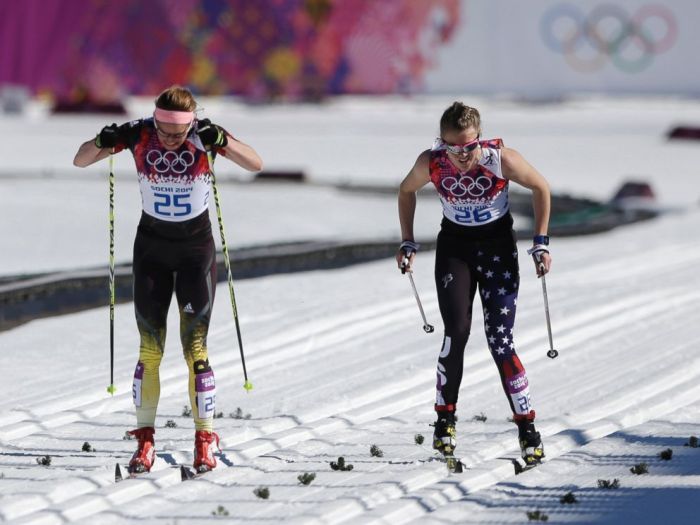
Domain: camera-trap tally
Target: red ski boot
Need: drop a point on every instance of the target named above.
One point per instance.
(145, 454)
(205, 444)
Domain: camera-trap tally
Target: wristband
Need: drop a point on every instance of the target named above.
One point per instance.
(409, 247)
(541, 239)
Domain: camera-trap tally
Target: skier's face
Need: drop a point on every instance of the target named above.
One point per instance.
(463, 147)
(172, 136)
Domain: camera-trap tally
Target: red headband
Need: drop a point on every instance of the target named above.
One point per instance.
(173, 117)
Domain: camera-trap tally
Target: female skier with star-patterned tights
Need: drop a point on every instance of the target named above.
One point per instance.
(173, 251)
(476, 249)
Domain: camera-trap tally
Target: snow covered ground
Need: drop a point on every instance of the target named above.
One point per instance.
(339, 363)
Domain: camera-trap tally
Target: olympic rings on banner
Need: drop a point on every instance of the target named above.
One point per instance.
(608, 32)
(475, 188)
(170, 161)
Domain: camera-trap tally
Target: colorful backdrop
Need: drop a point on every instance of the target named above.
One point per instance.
(258, 48)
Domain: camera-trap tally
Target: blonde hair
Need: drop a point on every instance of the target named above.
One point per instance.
(176, 98)
(459, 117)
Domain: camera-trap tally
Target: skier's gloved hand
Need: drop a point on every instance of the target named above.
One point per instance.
(407, 250)
(409, 247)
(540, 254)
(537, 251)
(210, 134)
(108, 137)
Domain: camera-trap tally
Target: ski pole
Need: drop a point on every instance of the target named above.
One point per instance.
(247, 385)
(427, 327)
(552, 353)
(111, 388)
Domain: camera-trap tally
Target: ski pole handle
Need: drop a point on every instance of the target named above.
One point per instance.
(408, 249)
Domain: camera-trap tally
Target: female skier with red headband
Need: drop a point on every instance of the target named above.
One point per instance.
(173, 251)
(476, 249)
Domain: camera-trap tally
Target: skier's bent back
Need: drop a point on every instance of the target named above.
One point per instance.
(173, 252)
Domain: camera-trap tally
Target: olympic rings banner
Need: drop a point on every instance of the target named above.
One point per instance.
(544, 48)
(607, 34)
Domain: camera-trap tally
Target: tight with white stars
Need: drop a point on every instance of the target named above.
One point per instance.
(490, 266)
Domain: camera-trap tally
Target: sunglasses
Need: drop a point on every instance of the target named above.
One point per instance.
(174, 136)
(460, 149)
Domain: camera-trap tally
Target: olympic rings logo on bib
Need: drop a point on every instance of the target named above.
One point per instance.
(460, 187)
(608, 32)
(170, 161)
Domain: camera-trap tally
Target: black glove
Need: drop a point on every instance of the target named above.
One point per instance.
(108, 137)
(210, 134)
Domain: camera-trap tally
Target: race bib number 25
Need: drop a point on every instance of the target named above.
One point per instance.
(168, 205)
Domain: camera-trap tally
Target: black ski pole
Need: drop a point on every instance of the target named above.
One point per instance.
(247, 385)
(111, 388)
(552, 353)
(427, 327)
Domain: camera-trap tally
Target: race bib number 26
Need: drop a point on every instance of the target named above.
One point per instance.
(471, 216)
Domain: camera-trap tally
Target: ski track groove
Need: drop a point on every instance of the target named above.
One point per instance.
(348, 324)
(572, 330)
(484, 473)
(432, 498)
(174, 373)
(418, 493)
(495, 470)
(441, 489)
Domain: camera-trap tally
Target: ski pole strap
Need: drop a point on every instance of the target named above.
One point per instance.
(537, 251)
(409, 247)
